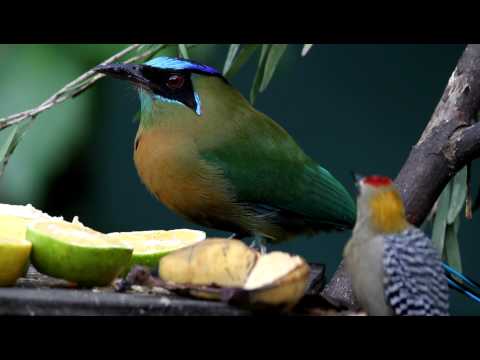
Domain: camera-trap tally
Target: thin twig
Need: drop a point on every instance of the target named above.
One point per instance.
(69, 91)
(75, 87)
(96, 77)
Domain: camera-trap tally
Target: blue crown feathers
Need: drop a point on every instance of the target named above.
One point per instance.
(169, 63)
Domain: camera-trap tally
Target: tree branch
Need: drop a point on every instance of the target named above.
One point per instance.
(450, 140)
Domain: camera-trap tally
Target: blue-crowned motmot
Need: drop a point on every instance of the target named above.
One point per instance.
(209, 156)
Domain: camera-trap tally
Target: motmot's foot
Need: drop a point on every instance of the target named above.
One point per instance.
(232, 236)
(259, 244)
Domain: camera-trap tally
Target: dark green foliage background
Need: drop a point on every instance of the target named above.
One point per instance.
(351, 107)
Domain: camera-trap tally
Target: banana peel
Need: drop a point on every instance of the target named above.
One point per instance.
(229, 271)
(213, 262)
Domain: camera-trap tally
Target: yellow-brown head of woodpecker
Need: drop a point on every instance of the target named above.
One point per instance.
(380, 208)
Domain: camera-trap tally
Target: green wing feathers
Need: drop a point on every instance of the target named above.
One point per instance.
(326, 198)
(270, 173)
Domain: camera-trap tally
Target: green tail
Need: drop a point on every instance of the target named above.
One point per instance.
(325, 202)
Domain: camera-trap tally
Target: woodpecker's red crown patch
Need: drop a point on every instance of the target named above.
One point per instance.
(377, 180)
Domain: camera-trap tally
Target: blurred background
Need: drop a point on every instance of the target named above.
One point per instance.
(351, 107)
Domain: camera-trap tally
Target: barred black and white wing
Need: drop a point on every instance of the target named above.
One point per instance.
(414, 279)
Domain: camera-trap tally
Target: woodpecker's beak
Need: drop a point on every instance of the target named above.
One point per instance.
(357, 178)
(130, 72)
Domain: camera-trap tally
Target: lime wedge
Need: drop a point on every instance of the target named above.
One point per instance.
(14, 255)
(76, 253)
(150, 246)
(13, 225)
(14, 220)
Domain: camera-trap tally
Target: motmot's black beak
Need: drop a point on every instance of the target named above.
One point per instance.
(130, 72)
(156, 81)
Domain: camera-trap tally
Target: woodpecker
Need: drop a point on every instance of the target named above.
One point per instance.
(394, 267)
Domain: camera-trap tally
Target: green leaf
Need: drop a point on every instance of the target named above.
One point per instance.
(155, 49)
(7, 143)
(274, 55)
(52, 139)
(452, 247)
(167, 50)
(244, 54)
(440, 221)
(183, 51)
(144, 47)
(12, 140)
(459, 194)
(232, 52)
(257, 81)
(306, 49)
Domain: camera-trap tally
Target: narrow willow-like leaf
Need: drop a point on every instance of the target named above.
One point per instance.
(11, 142)
(306, 49)
(183, 51)
(440, 221)
(274, 55)
(459, 194)
(155, 49)
(148, 47)
(257, 81)
(452, 246)
(243, 55)
(145, 47)
(425, 225)
(232, 52)
(8, 141)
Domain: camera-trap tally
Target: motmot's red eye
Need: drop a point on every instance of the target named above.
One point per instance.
(175, 81)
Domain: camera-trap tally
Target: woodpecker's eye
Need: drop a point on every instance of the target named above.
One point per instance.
(175, 81)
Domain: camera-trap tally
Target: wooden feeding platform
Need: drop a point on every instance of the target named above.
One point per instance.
(41, 295)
